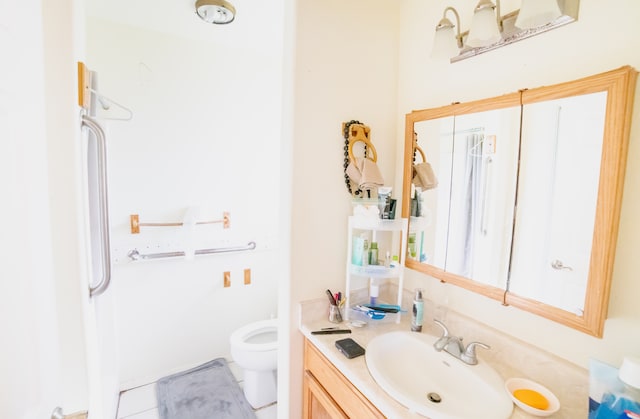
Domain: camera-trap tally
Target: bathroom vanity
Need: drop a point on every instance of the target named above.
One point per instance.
(337, 387)
(328, 393)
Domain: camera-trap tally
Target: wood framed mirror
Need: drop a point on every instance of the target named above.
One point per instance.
(527, 204)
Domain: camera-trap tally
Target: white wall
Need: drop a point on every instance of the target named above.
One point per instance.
(43, 353)
(30, 358)
(62, 131)
(346, 67)
(205, 134)
(286, 308)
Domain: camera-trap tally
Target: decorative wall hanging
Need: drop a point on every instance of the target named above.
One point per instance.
(361, 172)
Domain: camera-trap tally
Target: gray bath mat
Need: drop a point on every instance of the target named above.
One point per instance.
(208, 391)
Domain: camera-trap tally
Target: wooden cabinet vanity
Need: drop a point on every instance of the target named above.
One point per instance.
(328, 394)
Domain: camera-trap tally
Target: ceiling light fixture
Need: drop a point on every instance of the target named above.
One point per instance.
(219, 12)
(489, 30)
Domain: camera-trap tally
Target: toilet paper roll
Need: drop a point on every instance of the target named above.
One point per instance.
(188, 226)
(629, 372)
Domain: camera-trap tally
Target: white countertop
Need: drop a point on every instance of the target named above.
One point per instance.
(356, 371)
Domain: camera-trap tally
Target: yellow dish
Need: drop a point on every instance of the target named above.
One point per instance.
(532, 397)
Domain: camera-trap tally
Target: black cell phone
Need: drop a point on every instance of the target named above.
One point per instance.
(349, 348)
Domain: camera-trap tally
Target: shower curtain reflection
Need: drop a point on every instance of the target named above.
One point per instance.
(468, 203)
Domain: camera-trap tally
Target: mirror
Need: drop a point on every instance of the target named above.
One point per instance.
(557, 195)
(529, 189)
(464, 225)
(428, 233)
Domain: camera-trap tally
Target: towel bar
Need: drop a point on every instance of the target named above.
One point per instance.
(135, 224)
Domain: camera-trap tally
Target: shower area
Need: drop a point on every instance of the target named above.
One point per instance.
(192, 114)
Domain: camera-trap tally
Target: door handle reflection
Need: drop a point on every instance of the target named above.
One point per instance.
(557, 264)
(58, 413)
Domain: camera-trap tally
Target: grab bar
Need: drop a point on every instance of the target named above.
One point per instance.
(136, 255)
(103, 284)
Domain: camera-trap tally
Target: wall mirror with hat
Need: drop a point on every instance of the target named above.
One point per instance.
(527, 200)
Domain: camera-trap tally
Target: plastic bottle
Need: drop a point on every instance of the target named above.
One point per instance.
(417, 311)
(365, 253)
(374, 291)
(394, 261)
(373, 254)
(412, 245)
(357, 250)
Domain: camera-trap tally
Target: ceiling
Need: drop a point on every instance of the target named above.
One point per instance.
(256, 22)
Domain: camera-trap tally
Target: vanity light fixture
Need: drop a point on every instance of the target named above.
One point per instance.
(490, 30)
(448, 40)
(219, 12)
(486, 25)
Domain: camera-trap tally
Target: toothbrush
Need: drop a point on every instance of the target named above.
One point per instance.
(332, 300)
(375, 315)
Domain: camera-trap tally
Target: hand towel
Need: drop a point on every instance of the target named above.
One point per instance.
(365, 173)
(424, 177)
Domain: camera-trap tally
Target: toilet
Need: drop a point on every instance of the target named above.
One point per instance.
(254, 348)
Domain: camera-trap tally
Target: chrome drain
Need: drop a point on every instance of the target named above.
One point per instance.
(434, 397)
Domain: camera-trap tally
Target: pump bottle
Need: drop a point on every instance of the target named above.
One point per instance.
(417, 311)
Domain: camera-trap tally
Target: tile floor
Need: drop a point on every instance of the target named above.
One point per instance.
(141, 403)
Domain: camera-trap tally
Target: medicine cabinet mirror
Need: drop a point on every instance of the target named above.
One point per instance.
(527, 205)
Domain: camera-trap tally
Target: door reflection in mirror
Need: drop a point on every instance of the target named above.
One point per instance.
(468, 203)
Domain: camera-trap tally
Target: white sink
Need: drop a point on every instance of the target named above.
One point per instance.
(411, 371)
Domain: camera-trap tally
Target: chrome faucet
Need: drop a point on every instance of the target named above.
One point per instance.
(453, 345)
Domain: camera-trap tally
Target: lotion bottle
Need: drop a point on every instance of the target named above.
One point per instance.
(373, 254)
(417, 311)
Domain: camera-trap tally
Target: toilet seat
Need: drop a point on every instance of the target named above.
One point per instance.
(240, 338)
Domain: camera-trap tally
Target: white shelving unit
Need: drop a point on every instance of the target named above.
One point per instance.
(395, 242)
